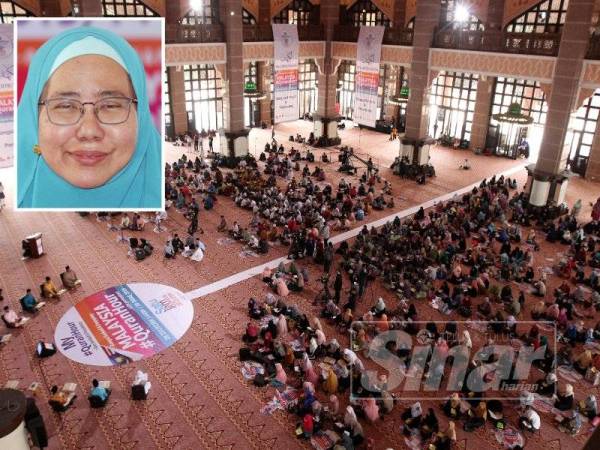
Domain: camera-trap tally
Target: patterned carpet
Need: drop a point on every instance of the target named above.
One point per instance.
(199, 398)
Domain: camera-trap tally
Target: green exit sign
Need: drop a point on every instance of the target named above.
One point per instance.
(404, 91)
(250, 86)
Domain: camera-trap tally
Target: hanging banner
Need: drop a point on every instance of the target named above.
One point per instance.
(285, 76)
(123, 324)
(368, 55)
(6, 95)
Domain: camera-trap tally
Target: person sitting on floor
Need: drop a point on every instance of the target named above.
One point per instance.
(564, 400)
(59, 399)
(571, 425)
(251, 334)
(222, 225)
(530, 420)
(69, 278)
(99, 391)
(49, 290)
(169, 250)
(29, 303)
(141, 379)
(11, 319)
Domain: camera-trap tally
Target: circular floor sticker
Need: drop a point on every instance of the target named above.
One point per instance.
(124, 323)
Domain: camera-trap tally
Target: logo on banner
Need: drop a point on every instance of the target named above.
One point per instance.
(123, 324)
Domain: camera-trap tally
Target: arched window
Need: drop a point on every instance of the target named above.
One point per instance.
(203, 97)
(581, 133)
(531, 98)
(251, 106)
(209, 14)
(247, 18)
(126, 8)
(455, 15)
(169, 126)
(452, 105)
(307, 87)
(411, 24)
(365, 12)
(345, 89)
(545, 17)
(299, 12)
(10, 10)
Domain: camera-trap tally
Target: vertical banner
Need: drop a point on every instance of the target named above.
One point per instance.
(368, 55)
(285, 76)
(6, 95)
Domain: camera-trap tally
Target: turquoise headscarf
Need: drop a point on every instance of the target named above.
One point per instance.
(136, 186)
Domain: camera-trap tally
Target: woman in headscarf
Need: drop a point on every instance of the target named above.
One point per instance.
(583, 361)
(379, 307)
(371, 409)
(282, 289)
(547, 386)
(452, 407)
(429, 425)
(334, 405)
(330, 385)
(538, 310)
(280, 374)
(466, 340)
(589, 407)
(320, 336)
(350, 419)
(383, 324)
(306, 362)
(477, 417)
(282, 328)
(70, 156)
(564, 400)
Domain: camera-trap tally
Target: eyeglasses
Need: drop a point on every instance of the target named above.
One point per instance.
(108, 111)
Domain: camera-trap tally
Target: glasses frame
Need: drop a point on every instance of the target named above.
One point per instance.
(82, 109)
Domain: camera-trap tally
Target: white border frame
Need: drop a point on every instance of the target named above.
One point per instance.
(162, 110)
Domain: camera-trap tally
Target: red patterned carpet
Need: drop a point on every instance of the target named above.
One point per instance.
(199, 398)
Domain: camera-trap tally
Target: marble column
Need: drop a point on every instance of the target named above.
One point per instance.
(548, 177)
(325, 124)
(415, 145)
(481, 115)
(234, 139)
(177, 97)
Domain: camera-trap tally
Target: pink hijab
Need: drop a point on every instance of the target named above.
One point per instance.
(280, 374)
(371, 409)
(311, 376)
(282, 289)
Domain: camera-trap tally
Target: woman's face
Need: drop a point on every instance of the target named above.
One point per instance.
(88, 153)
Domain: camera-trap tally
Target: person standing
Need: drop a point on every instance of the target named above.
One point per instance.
(337, 285)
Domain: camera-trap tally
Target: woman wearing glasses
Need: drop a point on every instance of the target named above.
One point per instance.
(85, 133)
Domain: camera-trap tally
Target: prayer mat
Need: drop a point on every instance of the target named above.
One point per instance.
(509, 437)
(569, 374)
(251, 368)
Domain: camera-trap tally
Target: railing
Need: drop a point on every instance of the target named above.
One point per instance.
(593, 51)
(391, 36)
(181, 33)
(501, 42)
(260, 33)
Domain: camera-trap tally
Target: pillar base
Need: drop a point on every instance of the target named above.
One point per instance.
(416, 150)
(234, 146)
(544, 189)
(326, 128)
